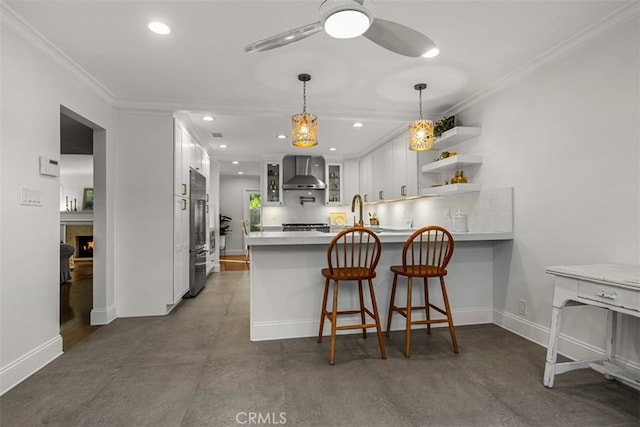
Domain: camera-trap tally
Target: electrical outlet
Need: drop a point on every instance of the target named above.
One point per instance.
(522, 307)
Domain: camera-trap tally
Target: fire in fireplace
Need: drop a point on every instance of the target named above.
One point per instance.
(85, 246)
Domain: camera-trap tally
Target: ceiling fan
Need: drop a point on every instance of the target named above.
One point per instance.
(350, 18)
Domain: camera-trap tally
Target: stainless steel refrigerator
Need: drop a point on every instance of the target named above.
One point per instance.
(197, 233)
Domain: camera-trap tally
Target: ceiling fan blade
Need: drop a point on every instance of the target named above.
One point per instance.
(398, 38)
(285, 38)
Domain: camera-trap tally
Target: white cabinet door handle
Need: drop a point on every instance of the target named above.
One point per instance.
(606, 295)
(184, 205)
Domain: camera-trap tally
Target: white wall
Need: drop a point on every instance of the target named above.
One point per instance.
(33, 87)
(232, 203)
(214, 189)
(144, 197)
(72, 187)
(566, 138)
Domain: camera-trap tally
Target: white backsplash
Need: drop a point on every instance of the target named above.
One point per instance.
(487, 210)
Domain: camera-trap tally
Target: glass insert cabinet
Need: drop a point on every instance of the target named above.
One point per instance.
(272, 183)
(334, 183)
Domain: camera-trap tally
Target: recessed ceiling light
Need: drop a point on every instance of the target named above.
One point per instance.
(434, 51)
(240, 173)
(357, 125)
(223, 146)
(281, 136)
(159, 28)
(207, 118)
(332, 149)
(235, 162)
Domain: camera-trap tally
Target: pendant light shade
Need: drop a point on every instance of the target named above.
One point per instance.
(304, 126)
(421, 131)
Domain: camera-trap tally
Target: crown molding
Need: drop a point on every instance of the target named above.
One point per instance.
(14, 23)
(607, 23)
(162, 105)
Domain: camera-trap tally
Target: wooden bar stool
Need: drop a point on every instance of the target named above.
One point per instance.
(425, 254)
(352, 256)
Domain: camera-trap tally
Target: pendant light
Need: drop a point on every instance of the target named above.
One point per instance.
(421, 131)
(304, 127)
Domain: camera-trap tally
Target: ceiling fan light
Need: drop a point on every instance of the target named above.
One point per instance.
(346, 24)
(434, 51)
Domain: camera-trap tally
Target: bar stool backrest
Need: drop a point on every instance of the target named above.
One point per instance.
(354, 252)
(429, 246)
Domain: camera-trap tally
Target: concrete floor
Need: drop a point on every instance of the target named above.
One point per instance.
(197, 367)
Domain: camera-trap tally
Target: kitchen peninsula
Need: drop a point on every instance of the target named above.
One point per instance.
(286, 284)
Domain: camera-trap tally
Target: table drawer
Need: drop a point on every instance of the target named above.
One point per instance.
(611, 295)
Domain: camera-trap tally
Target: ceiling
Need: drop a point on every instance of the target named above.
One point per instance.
(201, 68)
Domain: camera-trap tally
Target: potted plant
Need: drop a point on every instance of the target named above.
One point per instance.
(225, 223)
(441, 126)
(373, 218)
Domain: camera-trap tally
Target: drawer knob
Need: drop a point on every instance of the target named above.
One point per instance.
(603, 294)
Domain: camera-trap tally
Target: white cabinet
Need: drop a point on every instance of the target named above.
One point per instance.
(389, 172)
(198, 158)
(404, 166)
(180, 248)
(350, 179)
(272, 183)
(366, 177)
(181, 160)
(333, 175)
(382, 173)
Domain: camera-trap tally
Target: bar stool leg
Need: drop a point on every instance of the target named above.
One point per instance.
(334, 320)
(391, 302)
(407, 339)
(376, 317)
(364, 330)
(452, 330)
(427, 307)
(323, 311)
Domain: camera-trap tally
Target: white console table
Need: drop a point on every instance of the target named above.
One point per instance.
(611, 286)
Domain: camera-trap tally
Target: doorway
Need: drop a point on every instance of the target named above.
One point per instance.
(252, 210)
(79, 216)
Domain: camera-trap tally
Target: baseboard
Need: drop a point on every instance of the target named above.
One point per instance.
(103, 316)
(234, 252)
(264, 331)
(19, 370)
(568, 346)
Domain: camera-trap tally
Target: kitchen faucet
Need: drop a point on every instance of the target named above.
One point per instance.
(357, 198)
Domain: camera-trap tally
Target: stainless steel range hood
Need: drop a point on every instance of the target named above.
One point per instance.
(303, 173)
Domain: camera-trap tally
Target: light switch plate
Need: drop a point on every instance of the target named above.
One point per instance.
(30, 197)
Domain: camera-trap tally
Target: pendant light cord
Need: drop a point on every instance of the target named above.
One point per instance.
(420, 104)
(304, 97)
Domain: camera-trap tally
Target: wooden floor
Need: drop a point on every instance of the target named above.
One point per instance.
(233, 263)
(76, 302)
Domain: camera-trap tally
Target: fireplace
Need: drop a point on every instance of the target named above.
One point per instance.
(84, 246)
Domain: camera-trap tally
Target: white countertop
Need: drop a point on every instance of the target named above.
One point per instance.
(273, 238)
